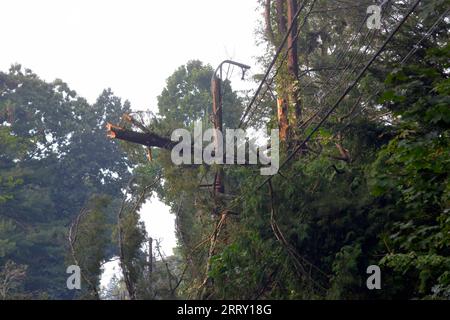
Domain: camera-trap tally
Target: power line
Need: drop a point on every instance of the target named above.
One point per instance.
(355, 82)
(333, 108)
(430, 31)
(337, 103)
(268, 83)
(342, 80)
(409, 54)
(358, 78)
(272, 63)
(340, 59)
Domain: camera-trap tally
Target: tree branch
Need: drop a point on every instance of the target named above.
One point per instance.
(148, 139)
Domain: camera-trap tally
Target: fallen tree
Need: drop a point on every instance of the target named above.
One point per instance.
(147, 139)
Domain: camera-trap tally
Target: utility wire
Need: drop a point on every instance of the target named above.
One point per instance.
(272, 63)
(340, 59)
(280, 64)
(337, 103)
(408, 56)
(430, 31)
(342, 80)
(355, 82)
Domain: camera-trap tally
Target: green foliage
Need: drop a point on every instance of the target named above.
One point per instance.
(187, 98)
(412, 171)
(241, 266)
(134, 235)
(346, 274)
(92, 238)
(8, 236)
(12, 148)
(53, 157)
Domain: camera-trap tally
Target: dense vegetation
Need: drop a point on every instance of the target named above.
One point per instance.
(371, 186)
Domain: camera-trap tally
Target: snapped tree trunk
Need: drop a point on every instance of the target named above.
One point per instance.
(147, 139)
(292, 64)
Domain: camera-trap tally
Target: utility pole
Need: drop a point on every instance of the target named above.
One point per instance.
(219, 188)
(216, 90)
(150, 256)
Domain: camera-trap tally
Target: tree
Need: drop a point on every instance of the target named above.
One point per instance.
(54, 157)
(412, 174)
(88, 240)
(11, 277)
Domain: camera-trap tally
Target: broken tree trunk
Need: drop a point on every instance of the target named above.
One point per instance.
(150, 139)
(147, 139)
(288, 104)
(292, 43)
(292, 64)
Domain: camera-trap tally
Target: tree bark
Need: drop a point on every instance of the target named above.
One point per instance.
(282, 118)
(281, 19)
(292, 43)
(267, 17)
(150, 139)
(292, 64)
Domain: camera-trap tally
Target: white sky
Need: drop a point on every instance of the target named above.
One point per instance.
(130, 46)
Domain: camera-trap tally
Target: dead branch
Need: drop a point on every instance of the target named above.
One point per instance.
(128, 118)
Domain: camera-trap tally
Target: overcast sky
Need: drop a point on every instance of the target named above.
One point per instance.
(130, 46)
